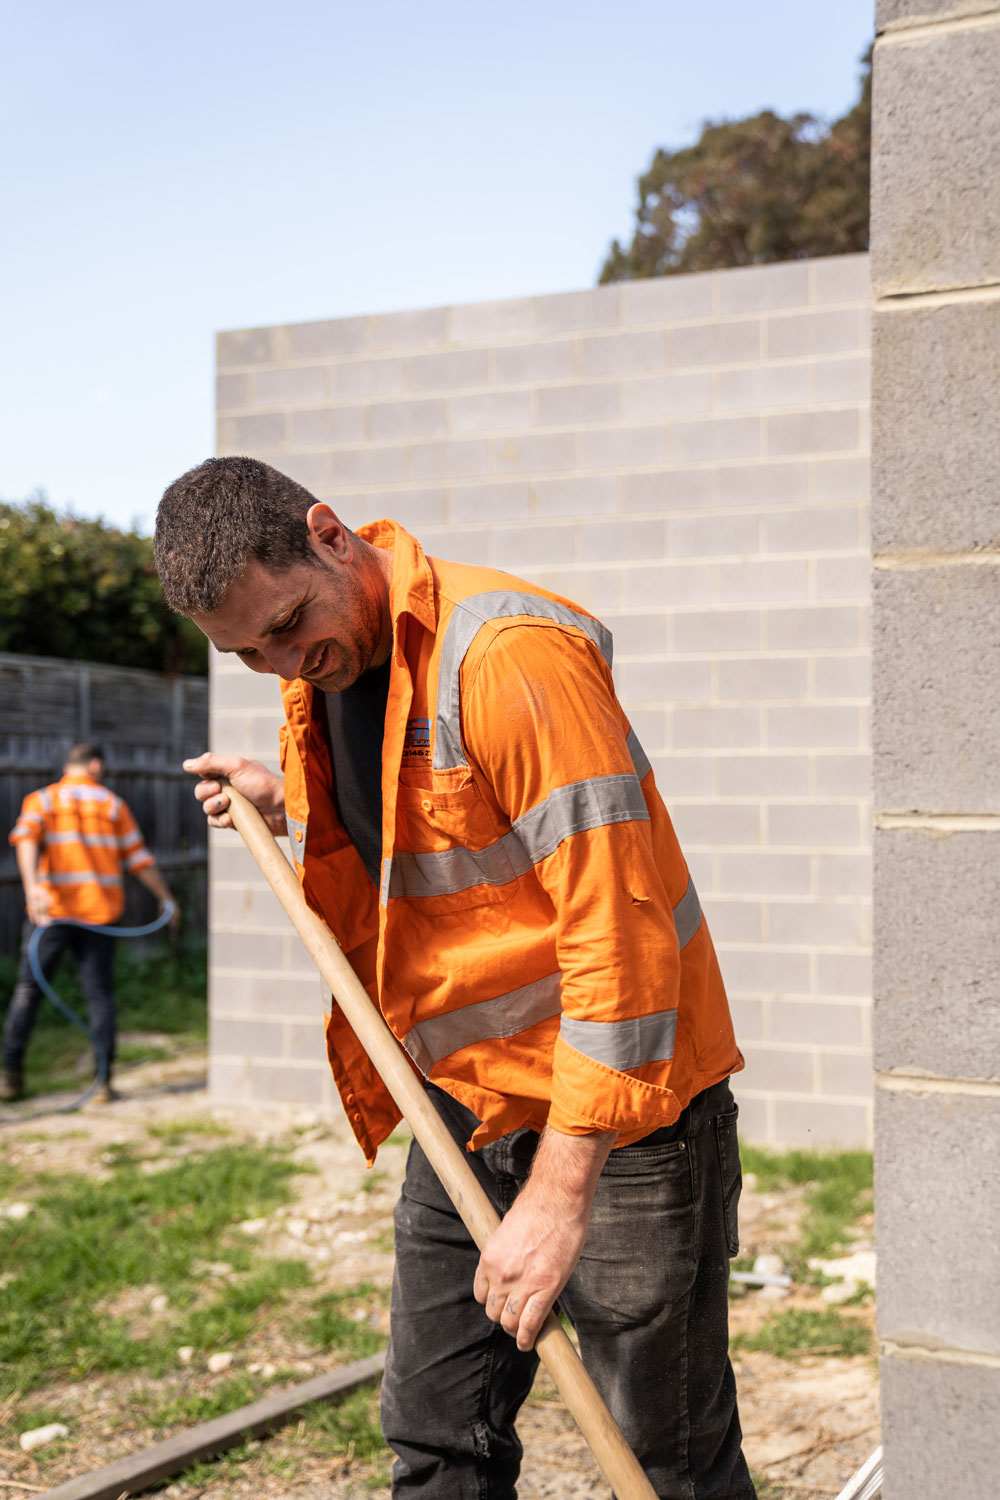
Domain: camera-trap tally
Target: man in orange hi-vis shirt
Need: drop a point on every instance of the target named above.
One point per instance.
(470, 811)
(74, 840)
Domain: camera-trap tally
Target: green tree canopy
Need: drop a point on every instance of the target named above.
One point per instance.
(88, 592)
(750, 191)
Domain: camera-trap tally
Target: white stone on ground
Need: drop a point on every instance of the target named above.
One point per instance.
(39, 1437)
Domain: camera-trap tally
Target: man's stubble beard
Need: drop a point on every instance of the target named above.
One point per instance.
(365, 642)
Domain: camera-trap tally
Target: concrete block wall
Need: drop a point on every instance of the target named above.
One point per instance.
(688, 458)
(936, 536)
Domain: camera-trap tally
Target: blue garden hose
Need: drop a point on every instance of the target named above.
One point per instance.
(103, 1061)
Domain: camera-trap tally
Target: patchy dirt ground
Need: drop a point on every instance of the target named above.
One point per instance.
(809, 1421)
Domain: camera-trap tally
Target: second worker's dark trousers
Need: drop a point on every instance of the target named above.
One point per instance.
(94, 952)
(648, 1300)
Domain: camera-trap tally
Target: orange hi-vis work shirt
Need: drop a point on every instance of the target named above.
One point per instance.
(536, 944)
(87, 837)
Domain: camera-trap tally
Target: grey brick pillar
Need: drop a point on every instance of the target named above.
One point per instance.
(936, 707)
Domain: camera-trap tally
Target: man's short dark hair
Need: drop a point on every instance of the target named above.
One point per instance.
(219, 517)
(83, 752)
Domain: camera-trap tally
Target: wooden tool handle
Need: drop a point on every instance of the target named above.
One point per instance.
(616, 1459)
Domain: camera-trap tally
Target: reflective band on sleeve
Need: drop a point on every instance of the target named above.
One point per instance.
(141, 857)
(641, 1039)
(618, 1044)
(638, 754)
(296, 838)
(505, 1015)
(469, 616)
(623, 1044)
(581, 805)
(90, 840)
(80, 877)
(593, 803)
(687, 915)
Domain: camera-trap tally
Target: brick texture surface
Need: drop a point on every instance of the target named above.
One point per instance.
(936, 530)
(939, 1422)
(937, 1003)
(935, 187)
(938, 720)
(940, 1150)
(686, 458)
(934, 417)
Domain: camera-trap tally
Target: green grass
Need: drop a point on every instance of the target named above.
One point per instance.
(189, 1408)
(176, 1132)
(839, 1187)
(374, 1178)
(350, 1425)
(345, 1427)
(88, 1241)
(163, 991)
(331, 1326)
(9, 1179)
(799, 1330)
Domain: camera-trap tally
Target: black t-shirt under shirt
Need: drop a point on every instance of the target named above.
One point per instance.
(356, 722)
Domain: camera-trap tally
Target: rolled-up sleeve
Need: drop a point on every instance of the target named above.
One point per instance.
(542, 721)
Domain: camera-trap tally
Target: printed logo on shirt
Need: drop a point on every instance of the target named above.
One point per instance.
(417, 741)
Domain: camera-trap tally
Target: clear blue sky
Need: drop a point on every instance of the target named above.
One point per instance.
(169, 169)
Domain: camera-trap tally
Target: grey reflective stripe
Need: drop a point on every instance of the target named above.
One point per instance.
(383, 893)
(46, 801)
(468, 618)
(92, 840)
(581, 805)
(618, 1044)
(138, 856)
(81, 877)
(88, 794)
(638, 754)
(687, 915)
(623, 1044)
(489, 1020)
(444, 872)
(641, 1039)
(298, 844)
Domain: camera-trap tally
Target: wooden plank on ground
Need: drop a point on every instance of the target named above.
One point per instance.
(138, 1471)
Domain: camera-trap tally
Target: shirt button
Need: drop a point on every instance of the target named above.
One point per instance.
(427, 804)
(355, 1118)
(350, 1100)
(298, 835)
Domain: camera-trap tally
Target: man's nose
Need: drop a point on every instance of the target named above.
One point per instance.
(285, 659)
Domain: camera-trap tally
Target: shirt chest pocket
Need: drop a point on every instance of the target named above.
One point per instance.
(449, 855)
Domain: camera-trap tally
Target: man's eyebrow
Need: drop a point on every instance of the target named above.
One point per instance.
(282, 617)
(279, 619)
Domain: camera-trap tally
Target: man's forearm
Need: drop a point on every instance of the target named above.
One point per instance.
(154, 882)
(27, 864)
(36, 900)
(565, 1168)
(528, 1260)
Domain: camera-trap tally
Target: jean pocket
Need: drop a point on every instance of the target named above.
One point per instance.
(731, 1174)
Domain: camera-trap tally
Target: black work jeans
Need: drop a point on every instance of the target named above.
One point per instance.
(648, 1300)
(94, 952)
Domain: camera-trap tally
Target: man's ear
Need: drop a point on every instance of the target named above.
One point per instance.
(328, 532)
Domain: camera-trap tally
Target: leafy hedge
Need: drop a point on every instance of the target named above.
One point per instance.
(86, 591)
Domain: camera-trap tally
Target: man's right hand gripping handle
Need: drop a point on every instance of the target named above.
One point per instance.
(260, 786)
